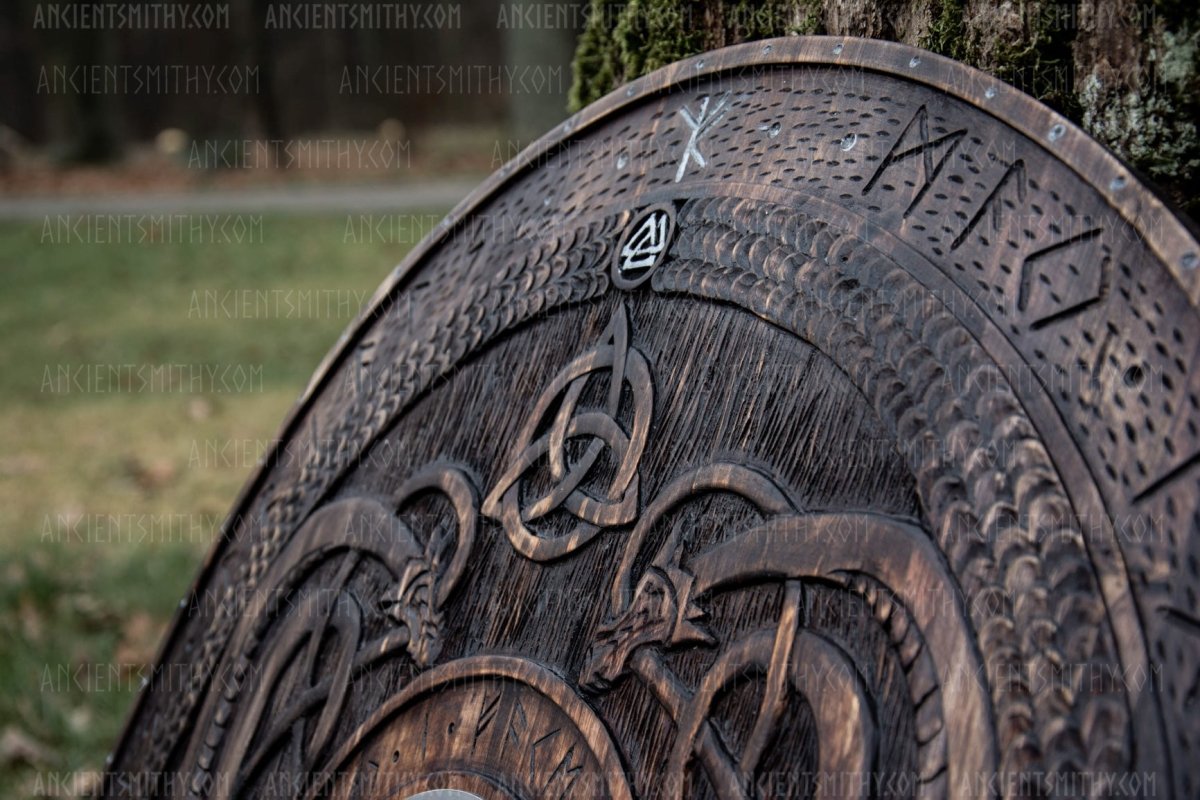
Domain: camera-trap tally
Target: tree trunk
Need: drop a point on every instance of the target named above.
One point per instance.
(528, 51)
(1128, 72)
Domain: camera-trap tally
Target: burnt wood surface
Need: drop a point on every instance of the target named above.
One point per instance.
(815, 417)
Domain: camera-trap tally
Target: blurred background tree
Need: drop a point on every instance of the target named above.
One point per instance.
(300, 76)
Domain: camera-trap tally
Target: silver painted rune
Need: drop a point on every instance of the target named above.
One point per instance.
(700, 124)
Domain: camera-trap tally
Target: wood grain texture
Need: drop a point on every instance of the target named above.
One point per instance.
(788, 424)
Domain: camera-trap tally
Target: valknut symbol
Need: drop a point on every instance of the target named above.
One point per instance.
(558, 428)
(644, 247)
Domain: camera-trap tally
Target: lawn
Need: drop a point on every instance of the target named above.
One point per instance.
(139, 382)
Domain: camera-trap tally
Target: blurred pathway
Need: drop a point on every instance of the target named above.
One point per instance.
(425, 196)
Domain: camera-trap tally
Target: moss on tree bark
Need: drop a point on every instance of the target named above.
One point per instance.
(1127, 72)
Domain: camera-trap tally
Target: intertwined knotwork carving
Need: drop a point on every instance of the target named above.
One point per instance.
(423, 569)
(660, 609)
(663, 609)
(545, 436)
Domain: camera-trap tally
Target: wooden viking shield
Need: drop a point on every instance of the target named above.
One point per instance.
(816, 417)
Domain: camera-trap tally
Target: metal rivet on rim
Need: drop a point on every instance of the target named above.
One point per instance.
(1057, 132)
(629, 92)
(990, 93)
(700, 64)
(837, 49)
(848, 141)
(914, 61)
(766, 49)
(1190, 261)
(1117, 183)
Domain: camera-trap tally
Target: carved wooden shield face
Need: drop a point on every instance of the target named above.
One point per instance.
(813, 418)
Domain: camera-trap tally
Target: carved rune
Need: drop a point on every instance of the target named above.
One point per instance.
(700, 124)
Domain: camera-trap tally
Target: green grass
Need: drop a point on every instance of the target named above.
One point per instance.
(110, 492)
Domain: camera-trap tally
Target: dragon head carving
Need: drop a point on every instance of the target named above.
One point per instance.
(661, 612)
(413, 604)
